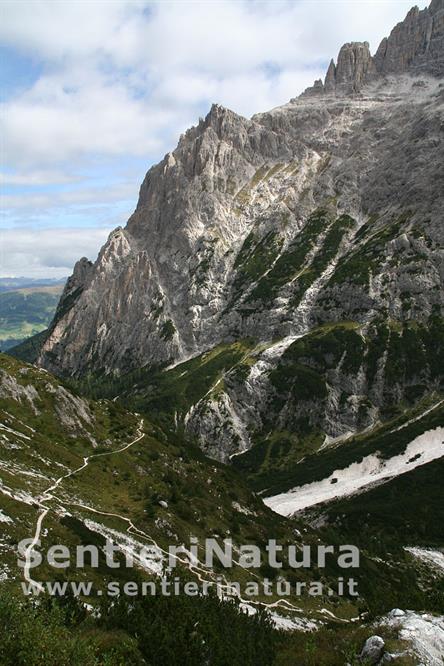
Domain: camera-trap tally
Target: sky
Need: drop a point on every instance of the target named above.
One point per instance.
(93, 93)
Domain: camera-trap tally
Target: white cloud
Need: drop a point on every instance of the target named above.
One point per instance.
(85, 195)
(51, 123)
(47, 252)
(122, 79)
(34, 178)
(57, 29)
(221, 37)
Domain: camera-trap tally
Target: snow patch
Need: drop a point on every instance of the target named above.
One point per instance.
(361, 475)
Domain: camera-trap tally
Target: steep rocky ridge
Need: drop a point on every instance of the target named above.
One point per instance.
(314, 229)
(415, 45)
(157, 289)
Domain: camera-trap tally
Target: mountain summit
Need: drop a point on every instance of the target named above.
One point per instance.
(416, 46)
(320, 218)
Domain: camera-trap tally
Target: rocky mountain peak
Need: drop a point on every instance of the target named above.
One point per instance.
(355, 67)
(216, 114)
(415, 46)
(239, 229)
(82, 272)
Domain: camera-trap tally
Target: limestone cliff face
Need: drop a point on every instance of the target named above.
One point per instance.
(325, 210)
(416, 44)
(216, 214)
(158, 285)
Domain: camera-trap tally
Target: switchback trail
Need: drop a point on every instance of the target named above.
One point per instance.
(47, 496)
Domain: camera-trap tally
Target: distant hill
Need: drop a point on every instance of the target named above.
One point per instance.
(26, 308)
(13, 283)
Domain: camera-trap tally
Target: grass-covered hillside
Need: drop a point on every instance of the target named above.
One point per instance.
(140, 486)
(91, 470)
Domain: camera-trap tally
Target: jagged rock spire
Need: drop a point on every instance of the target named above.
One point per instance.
(330, 78)
(355, 67)
(415, 45)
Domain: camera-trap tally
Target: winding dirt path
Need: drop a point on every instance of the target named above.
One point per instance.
(47, 496)
(203, 574)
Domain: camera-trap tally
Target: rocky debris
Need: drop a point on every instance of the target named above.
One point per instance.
(433, 558)
(423, 632)
(218, 416)
(4, 518)
(373, 650)
(11, 388)
(72, 411)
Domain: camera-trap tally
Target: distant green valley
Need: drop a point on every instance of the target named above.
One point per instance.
(26, 308)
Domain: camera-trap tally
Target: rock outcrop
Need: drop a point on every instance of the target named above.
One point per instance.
(372, 651)
(355, 68)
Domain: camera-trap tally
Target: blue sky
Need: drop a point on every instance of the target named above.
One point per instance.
(93, 93)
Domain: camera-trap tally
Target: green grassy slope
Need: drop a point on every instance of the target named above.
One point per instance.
(165, 486)
(169, 491)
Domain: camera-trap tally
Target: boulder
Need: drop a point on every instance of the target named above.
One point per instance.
(373, 650)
